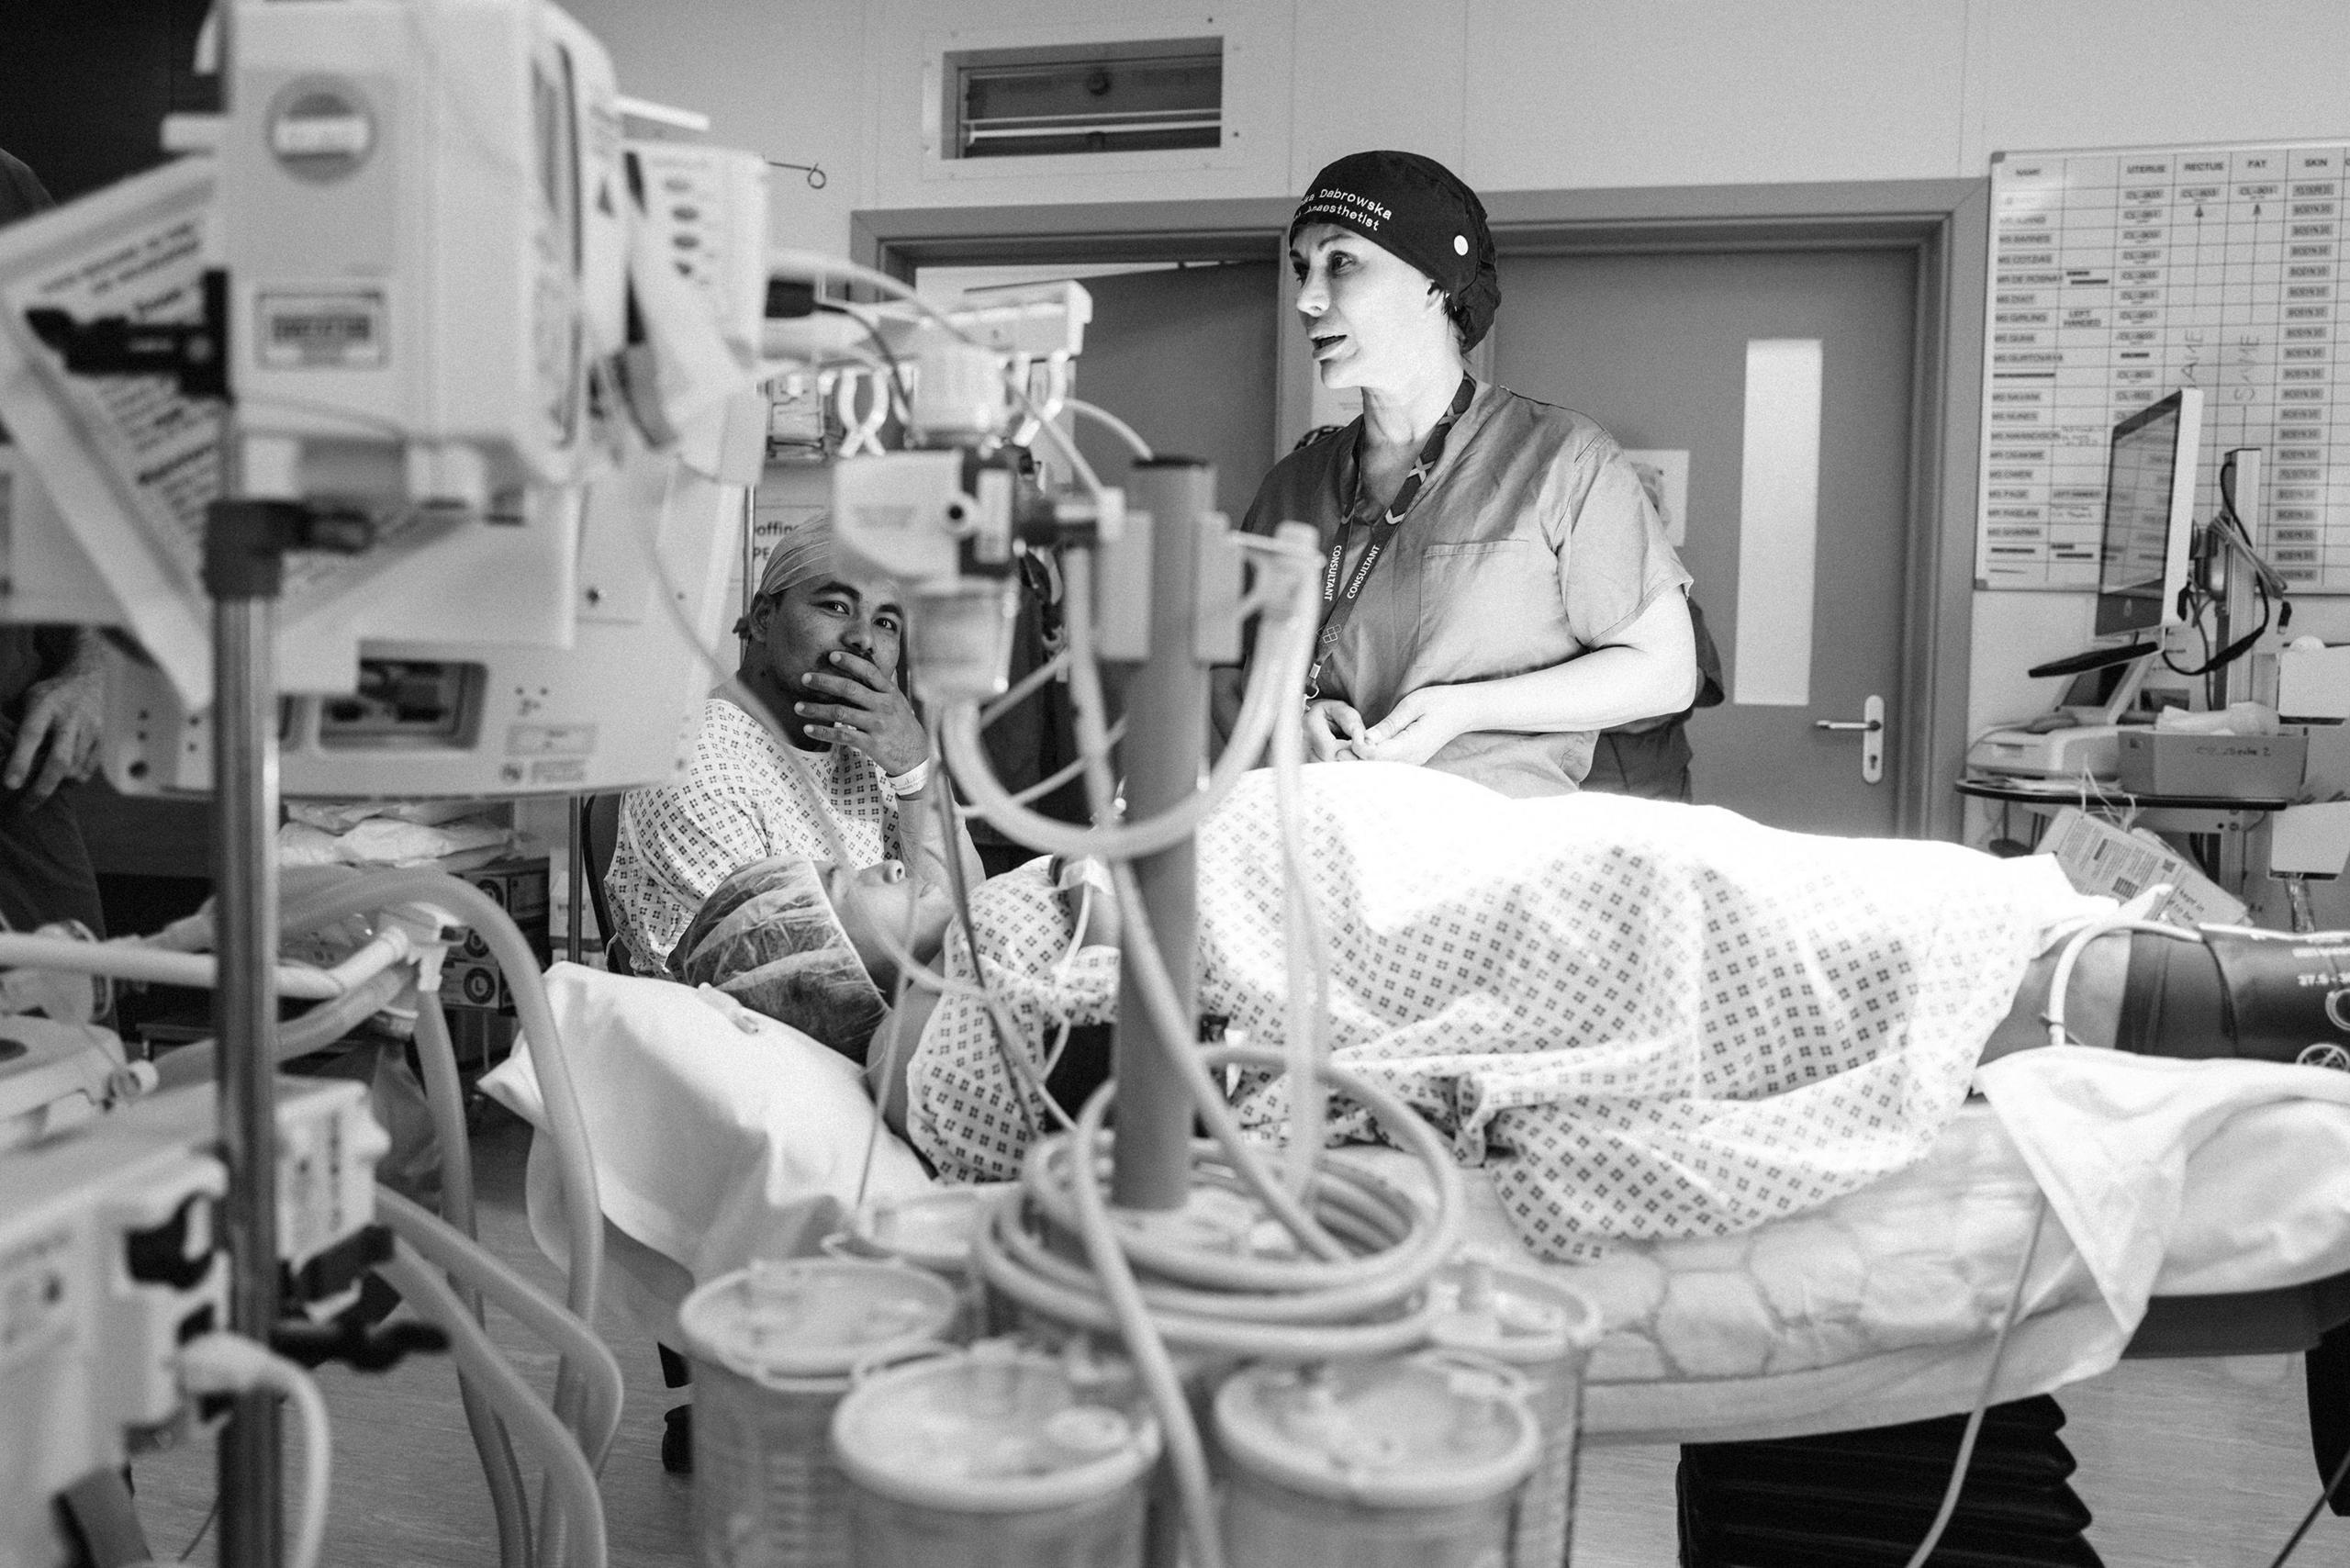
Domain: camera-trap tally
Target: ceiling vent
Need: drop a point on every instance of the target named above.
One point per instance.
(1153, 96)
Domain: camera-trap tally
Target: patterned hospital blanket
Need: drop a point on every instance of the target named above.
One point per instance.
(1648, 1021)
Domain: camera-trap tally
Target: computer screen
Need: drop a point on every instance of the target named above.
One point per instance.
(2149, 515)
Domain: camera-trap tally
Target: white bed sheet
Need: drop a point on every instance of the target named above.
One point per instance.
(1875, 1308)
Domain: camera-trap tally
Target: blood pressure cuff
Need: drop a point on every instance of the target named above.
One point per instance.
(768, 937)
(2260, 995)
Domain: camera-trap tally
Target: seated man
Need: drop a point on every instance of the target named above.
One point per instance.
(822, 654)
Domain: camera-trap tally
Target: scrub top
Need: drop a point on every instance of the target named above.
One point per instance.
(1531, 543)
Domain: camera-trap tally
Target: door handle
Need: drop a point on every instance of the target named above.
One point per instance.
(1869, 727)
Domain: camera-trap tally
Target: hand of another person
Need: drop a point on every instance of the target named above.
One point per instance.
(856, 705)
(1332, 729)
(1415, 729)
(64, 714)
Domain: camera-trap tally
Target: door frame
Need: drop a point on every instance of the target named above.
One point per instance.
(1946, 224)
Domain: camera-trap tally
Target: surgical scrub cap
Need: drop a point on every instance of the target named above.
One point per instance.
(1420, 210)
(802, 554)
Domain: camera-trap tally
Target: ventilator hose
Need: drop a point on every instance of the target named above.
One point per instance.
(1156, 1290)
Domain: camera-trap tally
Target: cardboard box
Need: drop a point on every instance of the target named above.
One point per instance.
(2235, 768)
(469, 976)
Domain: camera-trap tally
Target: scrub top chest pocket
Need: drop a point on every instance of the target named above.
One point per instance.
(1488, 608)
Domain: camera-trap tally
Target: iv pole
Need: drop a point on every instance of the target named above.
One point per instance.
(244, 573)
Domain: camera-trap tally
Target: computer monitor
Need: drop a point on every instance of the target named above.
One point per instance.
(2149, 516)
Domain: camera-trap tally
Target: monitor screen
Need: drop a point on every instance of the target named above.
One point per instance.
(2149, 495)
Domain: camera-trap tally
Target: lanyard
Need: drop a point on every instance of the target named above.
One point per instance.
(1338, 606)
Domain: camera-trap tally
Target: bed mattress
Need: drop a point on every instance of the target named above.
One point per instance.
(1876, 1307)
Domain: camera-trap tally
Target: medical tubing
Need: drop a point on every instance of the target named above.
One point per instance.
(1089, 710)
(1004, 1027)
(1260, 708)
(2062, 979)
(226, 1363)
(567, 1125)
(445, 1098)
(1159, 994)
(151, 966)
(1982, 1396)
(571, 1485)
(1115, 425)
(1186, 1455)
(583, 1214)
(454, 1253)
(1063, 1178)
(816, 263)
(320, 1027)
(1295, 1308)
(1340, 1287)
(1309, 1003)
(1052, 781)
(1043, 675)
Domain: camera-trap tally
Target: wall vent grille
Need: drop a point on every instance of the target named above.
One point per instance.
(1161, 94)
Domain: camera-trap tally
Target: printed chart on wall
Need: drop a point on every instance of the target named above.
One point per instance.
(2118, 277)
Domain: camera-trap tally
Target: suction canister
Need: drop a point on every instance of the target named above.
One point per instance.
(1545, 1331)
(1404, 1462)
(773, 1347)
(931, 1230)
(994, 1457)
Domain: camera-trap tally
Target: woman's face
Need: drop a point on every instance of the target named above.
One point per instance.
(1376, 320)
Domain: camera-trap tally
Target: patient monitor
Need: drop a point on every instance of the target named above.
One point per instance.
(2144, 553)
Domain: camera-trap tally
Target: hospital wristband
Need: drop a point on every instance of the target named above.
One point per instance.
(911, 782)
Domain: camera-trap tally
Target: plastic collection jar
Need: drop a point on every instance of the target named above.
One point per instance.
(1406, 1462)
(773, 1347)
(1545, 1330)
(931, 1230)
(994, 1457)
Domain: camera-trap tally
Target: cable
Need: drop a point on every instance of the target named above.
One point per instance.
(202, 1530)
(2332, 1484)
(231, 1363)
(2122, 920)
(1982, 1396)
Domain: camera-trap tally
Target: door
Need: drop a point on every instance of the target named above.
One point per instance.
(1185, 355)
(1654, 348)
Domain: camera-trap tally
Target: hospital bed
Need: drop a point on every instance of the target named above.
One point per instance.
(721, 1136)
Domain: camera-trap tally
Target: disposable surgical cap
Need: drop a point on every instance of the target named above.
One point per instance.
(803, 554)
(1420, 210)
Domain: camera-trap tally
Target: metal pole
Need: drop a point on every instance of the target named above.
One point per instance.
(1167, 733)
(244, 770)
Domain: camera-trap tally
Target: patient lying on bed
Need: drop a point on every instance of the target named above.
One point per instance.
(1648, 1020)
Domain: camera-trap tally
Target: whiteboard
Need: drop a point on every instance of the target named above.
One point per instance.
(2117, 277)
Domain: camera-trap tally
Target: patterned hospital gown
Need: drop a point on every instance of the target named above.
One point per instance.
(1646, 1019)
(741, 800)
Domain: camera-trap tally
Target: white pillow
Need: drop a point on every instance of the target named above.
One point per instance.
(718, 1135)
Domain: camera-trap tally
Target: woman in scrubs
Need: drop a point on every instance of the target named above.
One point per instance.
(1499, 589)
